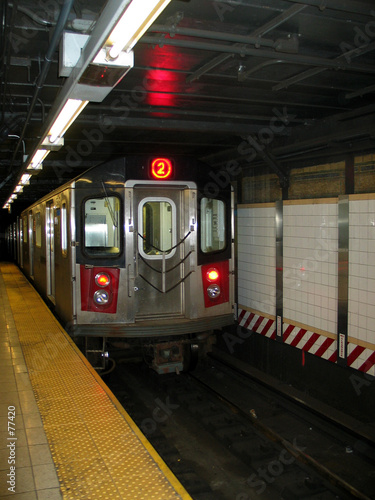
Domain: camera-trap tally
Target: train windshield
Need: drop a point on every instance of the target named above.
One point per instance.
(102, 226)
(213, 225)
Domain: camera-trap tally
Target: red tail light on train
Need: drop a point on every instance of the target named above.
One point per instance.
(102, 279)
(215, 280)
(99, 289)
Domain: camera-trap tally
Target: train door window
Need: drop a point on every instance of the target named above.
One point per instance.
(102, 226)
(157, 227)
(213, 225)
(64, 231)
(24, 222)
(38, 229)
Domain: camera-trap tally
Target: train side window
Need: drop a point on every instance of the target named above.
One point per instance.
(64, 231)
(157, 223)
(213, 225)
(38, 229)
(24, 222)
(102, 226)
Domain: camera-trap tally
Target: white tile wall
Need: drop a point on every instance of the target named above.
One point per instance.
(361, 319)
(310, 265)
(256, 258)
(310, 246)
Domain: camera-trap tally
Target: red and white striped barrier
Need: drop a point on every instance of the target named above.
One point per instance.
(312, 342)
(359, 358)
(257, 323)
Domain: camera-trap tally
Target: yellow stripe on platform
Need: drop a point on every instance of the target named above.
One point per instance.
(97, 449)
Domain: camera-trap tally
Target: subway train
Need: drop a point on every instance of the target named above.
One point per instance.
(135, 256)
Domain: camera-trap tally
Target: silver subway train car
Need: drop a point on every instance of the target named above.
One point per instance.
(135, 254)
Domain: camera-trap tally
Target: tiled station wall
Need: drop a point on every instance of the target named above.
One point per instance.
(310, 276)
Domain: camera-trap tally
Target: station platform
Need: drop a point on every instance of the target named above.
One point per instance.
(63, 434)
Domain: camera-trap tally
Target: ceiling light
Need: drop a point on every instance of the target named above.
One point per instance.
(25, 179)
(65, 118)
(37, 159)
(137, 18)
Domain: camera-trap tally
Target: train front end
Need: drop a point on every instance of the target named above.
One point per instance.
(154, 260)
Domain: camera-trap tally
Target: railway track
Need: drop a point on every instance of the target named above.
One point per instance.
(227, 437)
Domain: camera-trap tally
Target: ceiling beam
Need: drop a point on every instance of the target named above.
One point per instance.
(323, 133)
(256, 34)
(350, 6)
(216, 126)
(302, 59)
(355, 52)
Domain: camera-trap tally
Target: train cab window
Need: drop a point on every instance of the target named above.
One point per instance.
(38, 229)
(213, 225)
(157, 227)
(102, 226)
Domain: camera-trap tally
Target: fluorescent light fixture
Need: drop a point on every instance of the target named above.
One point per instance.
(124, 60)
(37, 159)
(65, 118)
(18, 189)
(13, 197)
(137, 18)
(25, 179)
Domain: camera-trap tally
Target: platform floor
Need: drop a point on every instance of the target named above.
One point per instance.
(70, 438)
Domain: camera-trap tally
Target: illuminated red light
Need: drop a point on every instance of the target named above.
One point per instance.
(161, 168)
(212, 275)
(102, 279)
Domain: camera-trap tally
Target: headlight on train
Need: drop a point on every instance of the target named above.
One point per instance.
(101, 297)
(102, 279)
(213, 291)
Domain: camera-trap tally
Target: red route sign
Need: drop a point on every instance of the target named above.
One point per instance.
(161, 168)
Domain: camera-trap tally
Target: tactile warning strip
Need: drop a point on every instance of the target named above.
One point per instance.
(97, 449)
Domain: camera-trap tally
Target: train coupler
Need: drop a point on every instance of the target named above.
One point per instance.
(168, 357)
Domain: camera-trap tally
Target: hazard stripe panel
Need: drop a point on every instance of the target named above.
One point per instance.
(359, 358)
(97, 449)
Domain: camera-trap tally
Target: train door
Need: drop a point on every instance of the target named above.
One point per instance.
(50, 249)
(161, 229)
(31, 243)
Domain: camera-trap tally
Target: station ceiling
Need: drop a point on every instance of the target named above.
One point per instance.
(271, 84)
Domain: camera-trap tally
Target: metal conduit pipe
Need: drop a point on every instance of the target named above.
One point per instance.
(37, 19)
(353, 7)
(214, 35)
(247, 51)
(63, 17)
